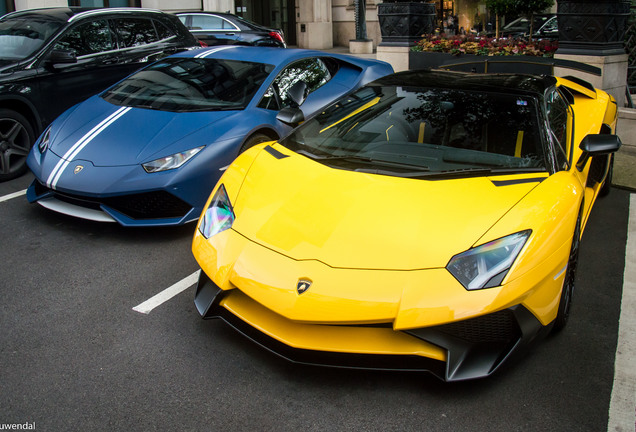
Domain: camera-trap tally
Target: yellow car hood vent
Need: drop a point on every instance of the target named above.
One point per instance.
(308, 211)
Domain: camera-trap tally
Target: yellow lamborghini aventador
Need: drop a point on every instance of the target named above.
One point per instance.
(428, 221)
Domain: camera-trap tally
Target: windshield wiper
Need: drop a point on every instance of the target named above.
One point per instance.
(346, 157)
(398, 171)
(406, 174)
(475, 172)
(462, 171)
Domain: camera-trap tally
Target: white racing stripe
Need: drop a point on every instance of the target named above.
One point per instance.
(68, 157)
(12, 195)
(54, 177)
(167, 294)
(211, 51)
(622, 410)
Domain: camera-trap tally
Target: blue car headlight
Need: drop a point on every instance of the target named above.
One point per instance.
(170, 162)
(44, 142)
(219, 215)
(486, 266)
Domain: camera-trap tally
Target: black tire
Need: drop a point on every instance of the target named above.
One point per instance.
(607, 184)
(257, 138)
(565, 302)
(16, 139)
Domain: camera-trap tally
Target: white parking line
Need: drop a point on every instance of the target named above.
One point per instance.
(12, 195)
(167, 294)
(622, 411)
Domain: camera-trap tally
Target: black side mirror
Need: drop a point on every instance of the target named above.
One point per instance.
(597, 145)
(59, 56)
(297, 93)
(291, 116)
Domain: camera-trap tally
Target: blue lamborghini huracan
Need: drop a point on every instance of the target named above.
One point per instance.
(149, 150)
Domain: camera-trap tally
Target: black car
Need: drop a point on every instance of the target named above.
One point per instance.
(51, 59)
(543, 27)
(216, 28)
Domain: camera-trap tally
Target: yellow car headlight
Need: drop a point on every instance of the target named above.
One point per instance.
(219, 216)
(486, 266)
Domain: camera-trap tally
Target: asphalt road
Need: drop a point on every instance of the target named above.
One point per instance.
(74, 355)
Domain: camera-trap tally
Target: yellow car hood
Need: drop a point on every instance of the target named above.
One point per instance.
(308, 211)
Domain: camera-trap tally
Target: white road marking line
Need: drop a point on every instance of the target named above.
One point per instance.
(13, 195)
(622, 410)
(167, 294)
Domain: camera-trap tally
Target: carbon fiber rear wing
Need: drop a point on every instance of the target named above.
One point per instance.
(503, 64)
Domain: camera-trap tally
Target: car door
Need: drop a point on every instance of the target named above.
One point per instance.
(67, 83)
(212, 29)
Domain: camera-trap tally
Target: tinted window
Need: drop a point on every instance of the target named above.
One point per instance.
(312, 71)
(189, 84)
(87, 38)
(551, 26)
(425, 132)
(162, 31)
(206, 22)
(228, 25)
(557, 111)
(21, 37)
(135, 31)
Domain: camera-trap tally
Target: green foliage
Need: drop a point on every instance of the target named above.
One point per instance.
(518, 7)
(502, 7)
(529, 7)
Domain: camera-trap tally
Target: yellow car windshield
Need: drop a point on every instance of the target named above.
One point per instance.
(423, 131)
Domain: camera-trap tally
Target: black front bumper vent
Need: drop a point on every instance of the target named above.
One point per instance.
(147, 205)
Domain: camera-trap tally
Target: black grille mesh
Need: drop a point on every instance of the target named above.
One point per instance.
(496, 327)
(157, 204)
(147, 205)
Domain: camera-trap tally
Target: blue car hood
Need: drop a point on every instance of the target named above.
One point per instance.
(110, 135)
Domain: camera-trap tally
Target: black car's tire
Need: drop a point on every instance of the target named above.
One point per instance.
(16, 139)
(565, 302)
(607, 184)
(257, 138)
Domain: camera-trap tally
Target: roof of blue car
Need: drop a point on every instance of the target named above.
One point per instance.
(267, 55)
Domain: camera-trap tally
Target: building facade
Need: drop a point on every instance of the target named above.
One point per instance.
(318, 24)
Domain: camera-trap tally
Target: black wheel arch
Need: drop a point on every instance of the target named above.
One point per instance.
(24, 107)
(563, 311)
(271, 133)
